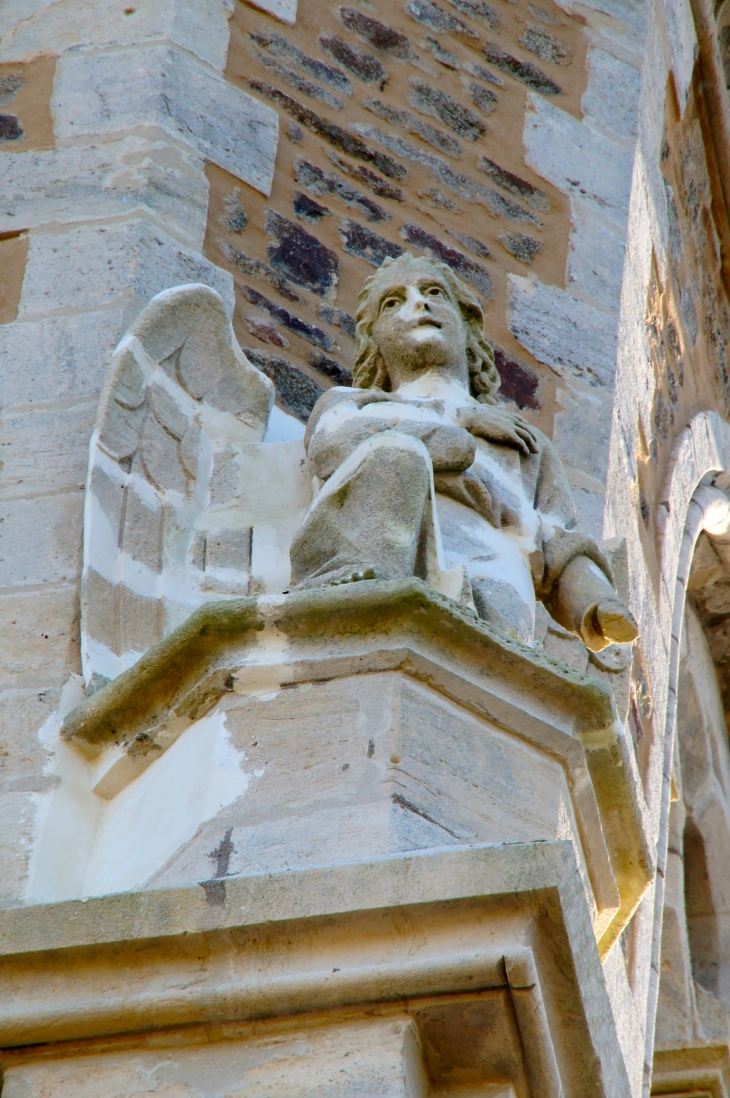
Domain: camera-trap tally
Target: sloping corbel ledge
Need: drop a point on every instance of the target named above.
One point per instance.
(255, 645)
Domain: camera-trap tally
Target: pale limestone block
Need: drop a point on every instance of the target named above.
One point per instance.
(283, 10)
(23, 712)
(57, 358)
(575, 158)
(133, 175)
(589, 507)
(33, 27)
(104, 93)
(566, 334)
(683, 47)
(39, 642)
(611, 99)
(40, 539)
(94, 266)
(582, 429)
(361, 1057)
(44, 449)
(596, 256)
(17, 820)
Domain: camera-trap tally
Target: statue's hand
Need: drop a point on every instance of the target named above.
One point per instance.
(615, 622)
(499, 425)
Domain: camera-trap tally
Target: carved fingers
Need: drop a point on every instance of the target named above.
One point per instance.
(499, 425)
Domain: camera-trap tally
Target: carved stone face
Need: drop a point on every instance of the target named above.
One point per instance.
(418, 326)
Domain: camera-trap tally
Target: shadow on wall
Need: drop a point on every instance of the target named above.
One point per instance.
(702, 930)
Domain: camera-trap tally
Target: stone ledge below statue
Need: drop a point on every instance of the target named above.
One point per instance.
(374, 718)
(487, 951)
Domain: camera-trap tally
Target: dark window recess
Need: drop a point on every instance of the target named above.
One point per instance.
(378, 35)
(300, 256)
(518, 382)
(365, 244)
(466, 268)
(365, 66)
(302, 328)
(297, 391)
(524, 71)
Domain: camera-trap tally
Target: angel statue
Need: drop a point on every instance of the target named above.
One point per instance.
(419, 473)
(412, 472)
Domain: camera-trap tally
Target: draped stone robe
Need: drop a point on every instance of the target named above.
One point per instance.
(387, 464)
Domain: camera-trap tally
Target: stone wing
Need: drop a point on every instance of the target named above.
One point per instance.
(163, 527)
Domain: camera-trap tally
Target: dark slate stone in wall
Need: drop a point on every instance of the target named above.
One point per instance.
(365, 66)
(306, 208)
(466, 268)
(339, 319)
(518, 382)
(335, 135)
(429, 100)
(375, 183)
(511, 183)
(299, 83)
(379, 35)
(431, 15)
(302, 328)
(256, 268)
(300, 256)
(297, 391)
(545, 46)
(321, 183)
(330, 367)
(521, 246)
(10, 128)
(367, 245)
(408, 122)
(279, 46)
(477, 9)
(524, 71)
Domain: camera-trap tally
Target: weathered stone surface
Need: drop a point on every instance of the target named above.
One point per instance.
(518, 382)
(309, 210)
(546, 46)
(279, 46)
(44, 450)
(341, 375)
(300, 256)
(39, 647)
(596, 257)
(523, 71)
(378, 35)
(297, 391)
(108, 92)
(302, 328)
(335, 135)
(105, 181)
(58, 25)
(339, 319)
(575, 158)
(256, 268)
(61, 358)
(363, 65)
(563, 332)
(364, 243)
(283, 10)
(466, 268)
(477, 9)
(512, 183)
(468, 189)
(612, 96)
(11, 128)
(321, 183)
(40, 539)
(408, 122)
(96, 266)
(521, 246)
(432, 101)
(374, 182)
(431, 15)
(299, 83)
(582, 430)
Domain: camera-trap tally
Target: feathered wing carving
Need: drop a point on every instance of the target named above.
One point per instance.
(176, 448)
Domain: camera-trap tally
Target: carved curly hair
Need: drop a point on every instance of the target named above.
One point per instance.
(370, 371)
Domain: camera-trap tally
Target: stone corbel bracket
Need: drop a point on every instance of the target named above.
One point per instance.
(256, 646)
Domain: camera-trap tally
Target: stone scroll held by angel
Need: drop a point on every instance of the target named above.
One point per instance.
(414, 471)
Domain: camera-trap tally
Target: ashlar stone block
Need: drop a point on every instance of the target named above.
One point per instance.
(40, 539)
(30, 27)
(103, 93)
(45, 449)
(57, 358)
(104, 181)
(94, 266)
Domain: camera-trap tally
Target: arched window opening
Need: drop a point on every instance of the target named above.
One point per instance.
(700, 913)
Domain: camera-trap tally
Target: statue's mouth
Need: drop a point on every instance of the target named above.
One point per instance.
(428, 322)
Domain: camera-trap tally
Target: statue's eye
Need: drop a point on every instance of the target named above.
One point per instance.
(435, 291)
(390, 303)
